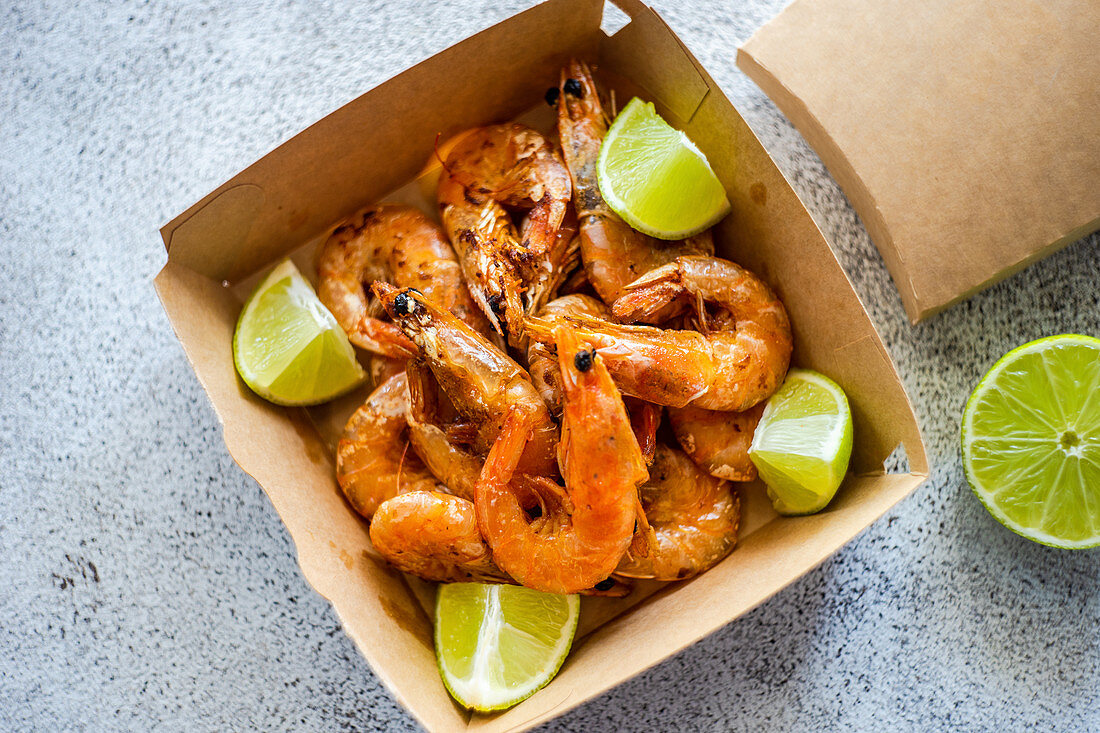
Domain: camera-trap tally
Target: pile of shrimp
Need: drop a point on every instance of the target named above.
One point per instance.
(525, 354)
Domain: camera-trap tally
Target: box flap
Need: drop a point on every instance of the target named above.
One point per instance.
(964, 133)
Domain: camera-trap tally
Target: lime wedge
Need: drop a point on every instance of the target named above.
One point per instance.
(1031, 441)
(803, 442)
(497, 644)
(655, 178)
(288, 348)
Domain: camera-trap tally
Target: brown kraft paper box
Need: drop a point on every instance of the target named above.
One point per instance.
(965, 133)
(374, 148)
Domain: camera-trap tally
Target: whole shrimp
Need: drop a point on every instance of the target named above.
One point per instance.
(614, 254)
(693, 515)
(480, 380)
(434, 536)
(718, 442)
(730, 369)
(372, 464)
(491, 168)
(584, 529)
(396, 244)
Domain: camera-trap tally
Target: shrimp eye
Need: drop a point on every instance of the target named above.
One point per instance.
(496, 302)
(573, 88)
(552, 96)
(583, 360)
(404, 304)
(607, 584)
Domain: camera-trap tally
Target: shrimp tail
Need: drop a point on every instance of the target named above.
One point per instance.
(500, 465)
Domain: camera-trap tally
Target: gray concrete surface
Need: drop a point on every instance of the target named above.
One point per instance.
(146, 583)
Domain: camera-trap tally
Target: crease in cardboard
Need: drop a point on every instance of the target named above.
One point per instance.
(376, 605)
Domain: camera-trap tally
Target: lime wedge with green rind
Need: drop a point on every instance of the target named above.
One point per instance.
(803, 442)
(496, 645)
(655, 178)
(288, 348)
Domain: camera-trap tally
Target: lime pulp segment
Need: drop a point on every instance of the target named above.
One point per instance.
(498, 644)
(1031, 441)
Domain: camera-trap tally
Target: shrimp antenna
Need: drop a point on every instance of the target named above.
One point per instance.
(401, 466)
(435, 152)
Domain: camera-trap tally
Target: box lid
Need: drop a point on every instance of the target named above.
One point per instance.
(966, 133)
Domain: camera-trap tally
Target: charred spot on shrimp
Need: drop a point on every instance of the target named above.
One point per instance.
(573, 88)
(584, 359)
(496, 302)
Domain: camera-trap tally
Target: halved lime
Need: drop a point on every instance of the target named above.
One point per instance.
(1031, 441)
(288, 348)
(803, 442)
(498, 644)
(655, 178)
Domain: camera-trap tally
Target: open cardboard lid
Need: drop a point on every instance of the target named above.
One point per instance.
(965, 133)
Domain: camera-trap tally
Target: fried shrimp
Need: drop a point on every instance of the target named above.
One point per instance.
(512, 166)
(718, 442)
(613, 253)
(395, 244)
(372, 463)
(729, 369)
(584, 528)
(480, 380)
(694, 518)
(434, 536)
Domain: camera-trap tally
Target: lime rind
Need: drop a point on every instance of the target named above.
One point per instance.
(1030, 441)
(288, 348)
(803, 443)
(641, 169)
(510, 641)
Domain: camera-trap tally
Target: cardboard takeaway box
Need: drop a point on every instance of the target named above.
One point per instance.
(966, 133)
(375, 146)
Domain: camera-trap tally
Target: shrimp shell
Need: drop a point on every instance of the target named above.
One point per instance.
(614, 254)
(482, 382)
(730, 369)
(718, 442)
(395, 244)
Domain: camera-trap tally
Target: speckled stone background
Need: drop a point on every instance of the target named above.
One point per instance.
(145, 581)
